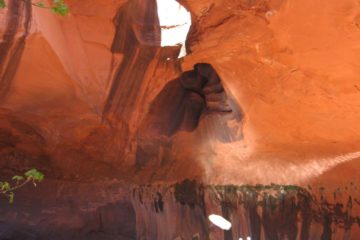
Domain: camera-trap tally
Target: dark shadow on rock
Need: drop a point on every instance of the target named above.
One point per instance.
(196, 96)
(11, 46)
(138, 38)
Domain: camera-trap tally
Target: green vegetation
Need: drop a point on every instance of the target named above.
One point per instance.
(57, 6)
(32, 176)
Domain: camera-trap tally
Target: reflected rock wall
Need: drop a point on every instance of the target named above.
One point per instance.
(272, 211)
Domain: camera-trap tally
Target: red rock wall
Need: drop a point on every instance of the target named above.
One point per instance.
(82, 98)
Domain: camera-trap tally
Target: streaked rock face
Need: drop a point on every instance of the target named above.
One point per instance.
(261, 211)
(268, 93)
(16, 21)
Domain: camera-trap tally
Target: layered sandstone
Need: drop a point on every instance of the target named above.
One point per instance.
(268, 93)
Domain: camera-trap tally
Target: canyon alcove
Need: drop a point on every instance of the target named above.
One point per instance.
(180, 119)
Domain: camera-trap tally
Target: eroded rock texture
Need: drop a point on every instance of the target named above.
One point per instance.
(260, 211)
(268, 93)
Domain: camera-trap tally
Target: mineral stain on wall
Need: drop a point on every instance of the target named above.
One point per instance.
(18, 17)
(273, 212)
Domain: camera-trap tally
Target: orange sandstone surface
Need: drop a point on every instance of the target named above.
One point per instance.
(84, 101)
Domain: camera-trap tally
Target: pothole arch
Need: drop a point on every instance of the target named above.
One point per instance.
(195, 101)
(184, 100)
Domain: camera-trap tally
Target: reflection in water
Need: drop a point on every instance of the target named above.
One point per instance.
(220, 222)
(254, 211)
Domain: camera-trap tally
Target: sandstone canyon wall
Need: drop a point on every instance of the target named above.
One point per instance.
(257, 123)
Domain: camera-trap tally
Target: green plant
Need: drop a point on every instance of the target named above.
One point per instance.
(32, 176)
(57, 6)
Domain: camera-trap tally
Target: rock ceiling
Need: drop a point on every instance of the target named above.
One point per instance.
(268, 92)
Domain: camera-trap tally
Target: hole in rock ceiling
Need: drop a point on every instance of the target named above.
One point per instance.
(144, 28)
(155, 23)
(175, 22)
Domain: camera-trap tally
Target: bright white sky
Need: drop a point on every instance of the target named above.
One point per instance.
(220, 222)
(173, 14)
